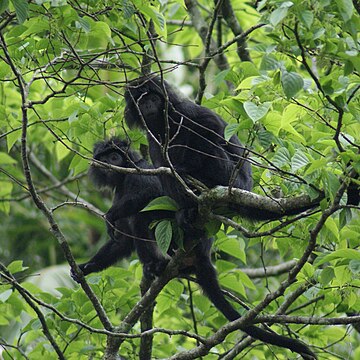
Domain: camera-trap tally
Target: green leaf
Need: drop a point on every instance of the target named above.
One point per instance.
(3, 320)
(230, 130)
(21, 9)
(354, 267)
(266, 138)
(232, 282)
(256, 112)
(246, 280)
(306, 17)
(4, 4)
(349, 254)
(278, 15)
(78, 164)
(163, 235)
(233, 247)
(162, 203)
(331, 184)
(291, 83)
(299, 160)
(61, 150)
(327, 275)
(345, 9)
(16, 266)
(345, 217)
(6, 159)
(83, 23)
(128, 9)
(269, 62)
(282, 157)
(5, 295)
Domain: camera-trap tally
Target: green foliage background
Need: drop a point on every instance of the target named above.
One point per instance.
(296, 105)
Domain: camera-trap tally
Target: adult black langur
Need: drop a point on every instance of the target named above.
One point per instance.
(194, 136)
(196, 147)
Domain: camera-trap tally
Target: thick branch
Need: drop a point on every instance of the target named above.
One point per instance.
(241, 199)
(231, 20)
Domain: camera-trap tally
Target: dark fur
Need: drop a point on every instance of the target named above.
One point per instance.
(128, 228)
(196, 147)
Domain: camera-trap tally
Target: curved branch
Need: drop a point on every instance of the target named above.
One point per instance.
(238, 200)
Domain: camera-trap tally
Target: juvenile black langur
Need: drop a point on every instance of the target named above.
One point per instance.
(194, 136)
(128, 228)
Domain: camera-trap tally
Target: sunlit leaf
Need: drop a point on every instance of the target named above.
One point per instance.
(256, 112)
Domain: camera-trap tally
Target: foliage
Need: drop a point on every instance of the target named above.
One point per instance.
(290, 92)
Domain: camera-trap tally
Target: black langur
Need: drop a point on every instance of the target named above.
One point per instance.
(194, 139)
(196, 147)
(127, 227)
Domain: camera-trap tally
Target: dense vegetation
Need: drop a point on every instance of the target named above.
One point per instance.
(285, 75)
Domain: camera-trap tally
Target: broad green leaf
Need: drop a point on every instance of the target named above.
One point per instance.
(247, 83)
(248, 69)
(332, 226)
(266, 138)
(348, 254)
(5, 295)
(163, 235)
(232, 282)
(291, 83)
(327, 275)
(342, 275)
(158, 19)
(230, 130)
(272, 122)
(36, 26)
(278, 15)
(345, 217)
(162, 203)
(84, 23)
(289, 128)
(78, 164)
(175, 288)
(21, 9)
(256, 112)
(292, 113)
(3, 320)
(306, 17)
(354, 267)
(282, 157)
(61, 151)
(6, 159)
(4, 4)
(331, 184)
(299, 160)
(16, 266)
(246, 280)
(269, 62)
(128, 9)
(233, 247)
(345, 8)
